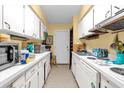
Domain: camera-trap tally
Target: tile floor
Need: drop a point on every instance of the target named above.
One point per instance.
(60, 77)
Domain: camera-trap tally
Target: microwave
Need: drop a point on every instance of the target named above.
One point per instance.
(8, 54)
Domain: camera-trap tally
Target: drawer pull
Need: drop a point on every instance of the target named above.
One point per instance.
(92, 85)
(29, 84)
(33, 71)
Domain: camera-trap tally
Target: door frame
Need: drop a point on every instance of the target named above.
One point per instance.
(54, 43)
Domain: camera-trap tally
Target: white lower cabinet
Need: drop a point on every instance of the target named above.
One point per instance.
(47, 66)
(73, 66)
(33, 81)
(106, 83)
(41, 74)
(19, 83)
(34, 77)
(85, 75)
(79, 75)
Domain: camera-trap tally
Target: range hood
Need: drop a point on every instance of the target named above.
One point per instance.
(112, 24)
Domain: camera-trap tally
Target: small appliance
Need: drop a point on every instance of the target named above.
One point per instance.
(8, 54)
(100, 53)
(37, 48)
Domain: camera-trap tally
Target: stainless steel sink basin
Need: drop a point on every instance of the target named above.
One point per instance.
(118, 70)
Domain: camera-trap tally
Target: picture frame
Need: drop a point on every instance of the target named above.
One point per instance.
(49, 40)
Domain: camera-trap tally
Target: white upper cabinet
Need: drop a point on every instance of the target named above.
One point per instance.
(101, 12)
(116, 8)
(13, 18)
(86, 24)
(80, 28)
(32, 23)
(0, 16)
(36, 27)
(41, 31)
(29, 21)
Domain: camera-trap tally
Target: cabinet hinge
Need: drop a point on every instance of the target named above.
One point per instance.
(23, 31)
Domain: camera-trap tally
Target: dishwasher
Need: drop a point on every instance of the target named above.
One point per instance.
(90, 78)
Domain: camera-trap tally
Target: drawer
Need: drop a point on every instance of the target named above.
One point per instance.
(19, 82)
(31, 71)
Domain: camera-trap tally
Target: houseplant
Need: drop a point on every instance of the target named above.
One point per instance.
(118, 46)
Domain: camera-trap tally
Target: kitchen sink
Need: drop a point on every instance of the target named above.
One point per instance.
(118, 70)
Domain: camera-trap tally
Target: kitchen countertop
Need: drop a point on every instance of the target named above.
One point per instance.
(9, 74)
(104, 69)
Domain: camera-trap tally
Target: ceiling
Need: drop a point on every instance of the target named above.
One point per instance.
(60, 14)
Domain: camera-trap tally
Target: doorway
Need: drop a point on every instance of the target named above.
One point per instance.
(61, 46)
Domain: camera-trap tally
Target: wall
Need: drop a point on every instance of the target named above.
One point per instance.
(38, 11)
(76, 41)
(53, 27)
(84, 10)
(103, 41)
(76, 19)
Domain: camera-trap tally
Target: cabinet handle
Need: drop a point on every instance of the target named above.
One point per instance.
(33, 71)
(105, 86)
(92, 85)
(107, 14)
(7, 25)
(29, 84)
(107, 81)
(23, 31)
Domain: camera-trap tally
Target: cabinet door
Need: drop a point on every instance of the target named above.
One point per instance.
(41, 31)
(0, 16)
(47, 66)
(88, 22)
(19, 83)
(101, 12)
(41, 74)
(73, 67)
(14, 18)
(106, 83)
(29, 21)
(81, 33)
(33, 81)
(79, 75)
(36, 27)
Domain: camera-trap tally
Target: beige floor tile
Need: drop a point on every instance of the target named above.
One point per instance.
(60, 77)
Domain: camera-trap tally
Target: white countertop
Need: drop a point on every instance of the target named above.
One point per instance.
(9, 74)
(105, 70)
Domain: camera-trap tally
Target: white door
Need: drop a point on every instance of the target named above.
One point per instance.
(0, 16)
(62, 46)
(14, 17)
